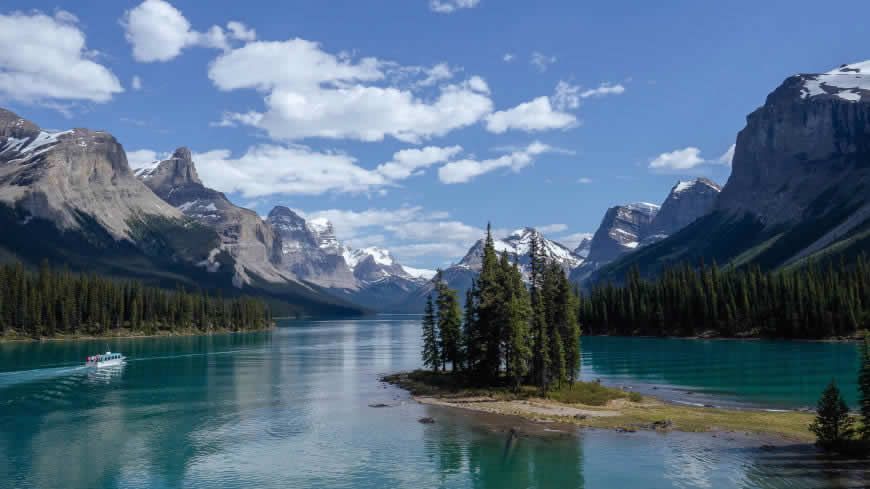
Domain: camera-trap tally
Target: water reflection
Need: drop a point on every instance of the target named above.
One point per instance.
(290, 408)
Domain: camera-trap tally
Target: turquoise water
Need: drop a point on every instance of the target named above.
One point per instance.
(765, 374)
(290, 408)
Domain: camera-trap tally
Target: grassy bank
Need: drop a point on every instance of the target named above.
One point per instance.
(593, 405)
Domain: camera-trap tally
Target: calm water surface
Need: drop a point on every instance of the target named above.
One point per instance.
(289, 408)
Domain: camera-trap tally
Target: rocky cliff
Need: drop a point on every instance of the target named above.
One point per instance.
(60, 176)
(799, 183)
(687, 201)
(244, 235)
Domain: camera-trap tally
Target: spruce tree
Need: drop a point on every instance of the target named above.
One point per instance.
(431, 352)
(833, 425)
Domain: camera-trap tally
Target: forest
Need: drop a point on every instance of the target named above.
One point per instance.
(812, 301)
(57, 302)
(510, 333)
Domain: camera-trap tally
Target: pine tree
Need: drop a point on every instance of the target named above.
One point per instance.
(833, 425)
(431, 352)
(449, 324)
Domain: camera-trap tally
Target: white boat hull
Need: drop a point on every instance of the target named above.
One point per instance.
(108, 363)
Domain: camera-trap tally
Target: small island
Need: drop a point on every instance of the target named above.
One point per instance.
(516, 352)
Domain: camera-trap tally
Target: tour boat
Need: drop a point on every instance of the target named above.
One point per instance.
(107, 359)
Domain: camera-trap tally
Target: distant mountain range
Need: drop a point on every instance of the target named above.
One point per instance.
(797, 192)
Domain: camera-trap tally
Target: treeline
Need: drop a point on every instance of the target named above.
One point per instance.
(810, 302)
(508, 333)
(54, 301)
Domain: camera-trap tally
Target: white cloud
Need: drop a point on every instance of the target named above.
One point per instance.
(136, 84)
(159, 32)
(348, 223)
(728, 156)
(537, 115)
(508, 57)
(410, 161)
(450, 6)
(45, 59)
(552, 228)
(271, 169)
(687, 158)
(463, 171)
(681, 159)
(572, 241)
(241, 32)
(442, 249)
(567, 96)
(584, 180)
(541, 61)
(436, 231)
(144, 157)
(311, 93)
(602, 90)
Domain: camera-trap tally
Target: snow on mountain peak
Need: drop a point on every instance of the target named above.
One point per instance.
(419, 272)
(849, 82)
(644, 207)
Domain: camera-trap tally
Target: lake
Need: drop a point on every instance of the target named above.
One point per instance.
(290, 408)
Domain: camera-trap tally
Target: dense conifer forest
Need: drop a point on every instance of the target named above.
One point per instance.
(56, 302)
(814, 301)
(509, 334)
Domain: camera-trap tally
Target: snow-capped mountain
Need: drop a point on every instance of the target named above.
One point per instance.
(687, 201)
(243, 233)
(516, 245)
(582, 250)
(367, 276)
(798, 184)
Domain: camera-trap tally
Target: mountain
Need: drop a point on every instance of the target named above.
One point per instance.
(621, 231)
(516, 245)
(243, 233)
(71, 198)
(687, 201)
(799, 183)
(370, 277)
(583, 248)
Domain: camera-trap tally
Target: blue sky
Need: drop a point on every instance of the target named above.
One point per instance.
(412, 123)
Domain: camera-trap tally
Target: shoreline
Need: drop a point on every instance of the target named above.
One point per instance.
(850, 339)
(130, 335)
(620, 415)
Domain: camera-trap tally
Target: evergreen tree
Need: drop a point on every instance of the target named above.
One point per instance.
(449, 325)
(431, 352)
(833, 425)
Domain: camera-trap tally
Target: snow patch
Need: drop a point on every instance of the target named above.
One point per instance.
(844, 82)
(419, 272)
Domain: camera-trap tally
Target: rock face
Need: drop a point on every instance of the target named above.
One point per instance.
(687, 202)
(63, 175)
(812, 135)
(370, 277)
(583, 248)
(310, 253)
(621, 231)
(799, 183)
(244, 235)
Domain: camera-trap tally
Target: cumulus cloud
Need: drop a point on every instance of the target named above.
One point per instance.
(271, 169)
(567, 96)
(159, 32)
(435, 231)
(541, 62)
(508, 57)
(572, 241)
(144, 157)
(450, 6)
(552, 228)
(463, 171)
(537, 115)
(602, 90)
(309, 92)
(411, 161)
(45, 59)
(136, 83)
(687, 158)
